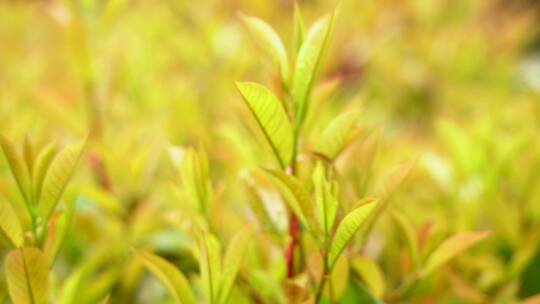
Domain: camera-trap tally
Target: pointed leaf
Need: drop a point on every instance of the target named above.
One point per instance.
(28, 154)
(175, 282)
(337, 134)
(451, 247)
(231, 263)
(269, 42)
(346, 230)
(57, 177)
(325, 199)
(299, 28)
(27, 276)
(370, 273)
(308, 63)
(410, 236)
(43, 161)
(210, 265)
(17, 167)
(272, 119)
(296, 197)
(10, 227)
(194, 170)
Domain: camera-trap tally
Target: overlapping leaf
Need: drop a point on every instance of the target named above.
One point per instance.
(326, 199)
(232, 261)
(337, 134)
(10, 226)
(210, 266)
(17, 167)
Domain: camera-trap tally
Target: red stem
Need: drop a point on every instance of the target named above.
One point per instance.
(294, 226)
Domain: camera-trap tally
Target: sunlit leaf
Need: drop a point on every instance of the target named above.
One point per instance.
(271, 117)
(43, 161)
(269, 42)
(17, 167)
(346, 230)
(27, 276)
(370, 273)
(175, 282)
(10, 227)
(232, 261)
(194, 170)
(325, 199)
(210, 265)
(450, 248)
(296, 197)
(337, 134)
(299, 28)
(308, 63)
(57, 177)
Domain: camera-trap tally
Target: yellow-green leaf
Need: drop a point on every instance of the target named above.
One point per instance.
(325, 199)
(269, 42)
(272, 119)
(194, 171)
(299, 28)
(308, 63)
(370, 273)
(57, 231)
(42, 163)
(27, 276)
(346, 230)
(10, 226)
(232, 261)
(337, 134)
(296, 197)
(210, 266)
(17, 167)
(175, 282)
(57, 177)
(451, 247)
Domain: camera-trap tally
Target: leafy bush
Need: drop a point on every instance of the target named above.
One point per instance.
(317, 188)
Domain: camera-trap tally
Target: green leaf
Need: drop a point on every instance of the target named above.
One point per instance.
(272, 119)
(299, 28)
(28, 154)
(210, 266)
(325, 199)
(371, 274)
(232, 261)
(337, 134)
(18, 168)
(43, 161)
(269, 42)
(450, 248)
(346, 230)
(27, 276)
(410, 236)
(296, 197)
(175, 282)
(194, 170)
(57, 177)
(308, 63)
(10, 227)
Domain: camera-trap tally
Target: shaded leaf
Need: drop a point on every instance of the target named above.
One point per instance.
(308, 63)
(10, 227)
(450, 248)
(338, 133)
(194, 170)
(27, 276)
(269, 42)
(57, 177)
(296, 197)
(232, 261)
(175, 282)
(346, 230)
(410, 236)
(57, 231)
(272, 119)
(210, 266)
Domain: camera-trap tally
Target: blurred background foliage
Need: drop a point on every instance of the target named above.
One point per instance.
(453, 82)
